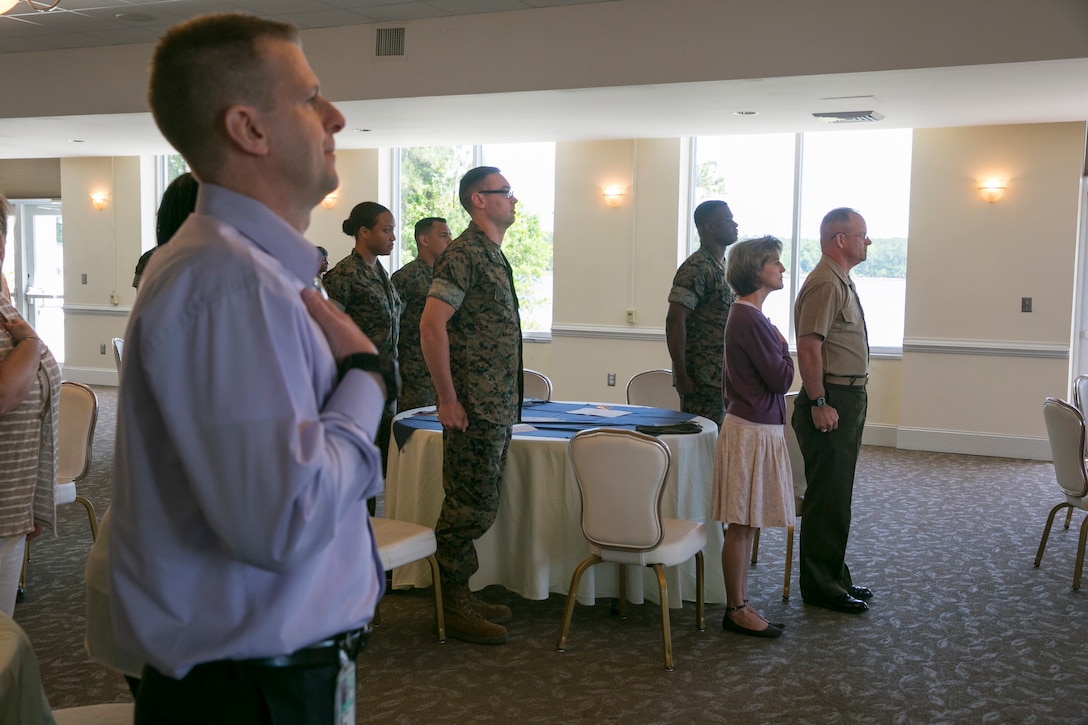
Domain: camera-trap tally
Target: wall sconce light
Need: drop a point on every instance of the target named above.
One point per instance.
(99, 200)
(992, 189)
(613, 196)
(330, 200)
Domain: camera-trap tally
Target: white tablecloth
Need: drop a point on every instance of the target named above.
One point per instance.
(536, 541)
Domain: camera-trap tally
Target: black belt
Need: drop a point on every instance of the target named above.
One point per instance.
(325, 652)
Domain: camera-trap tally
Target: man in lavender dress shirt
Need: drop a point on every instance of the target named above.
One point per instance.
(244, 569)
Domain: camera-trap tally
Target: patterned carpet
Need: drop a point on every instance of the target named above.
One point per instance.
(962, 628)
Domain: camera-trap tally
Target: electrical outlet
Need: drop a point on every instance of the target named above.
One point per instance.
(83, 279)
(611, 380)
(630, 317)
(102, 349)
(1025, 304)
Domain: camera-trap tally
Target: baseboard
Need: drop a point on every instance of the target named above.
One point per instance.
(90, 376)
(973, 444)
(880, 435)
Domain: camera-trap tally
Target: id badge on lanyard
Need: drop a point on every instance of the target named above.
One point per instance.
(344, 705)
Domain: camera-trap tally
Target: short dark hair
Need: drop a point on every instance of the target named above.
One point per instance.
(324, 252)
(5, 212)
(470, 183)
(202, 67)
(746, 259)
(178, 202)
(705, 210)
(423, 226)
(363, 214)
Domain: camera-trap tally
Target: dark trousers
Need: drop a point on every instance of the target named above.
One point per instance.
(472, 464)
(234, 693)
(830, 461)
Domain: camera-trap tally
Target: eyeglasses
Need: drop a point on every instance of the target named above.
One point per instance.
(863, 236)
(506, 193)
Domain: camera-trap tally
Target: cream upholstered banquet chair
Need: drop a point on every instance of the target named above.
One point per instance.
(76, 418)
(537, 386)
(621, 477)
(118, 351)
(653, 388)
(1065, 428)
(1080, 393)
(402, 542)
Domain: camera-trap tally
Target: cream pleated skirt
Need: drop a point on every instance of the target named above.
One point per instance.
(753, 481)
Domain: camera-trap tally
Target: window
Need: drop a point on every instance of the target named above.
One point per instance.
(428, 180)
(866, 170)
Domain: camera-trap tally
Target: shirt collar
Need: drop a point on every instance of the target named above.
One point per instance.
(263, 227)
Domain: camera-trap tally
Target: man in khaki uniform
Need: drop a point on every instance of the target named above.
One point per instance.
(833, 358)
(471, 338)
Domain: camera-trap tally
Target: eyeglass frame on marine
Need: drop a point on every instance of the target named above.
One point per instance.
(507, 193)
(848, 234)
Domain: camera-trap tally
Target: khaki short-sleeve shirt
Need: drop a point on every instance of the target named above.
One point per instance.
(828, 306)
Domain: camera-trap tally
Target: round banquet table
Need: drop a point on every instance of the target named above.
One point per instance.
(536, 541)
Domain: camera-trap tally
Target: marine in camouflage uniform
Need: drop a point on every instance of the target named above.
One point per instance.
(412, 281)
(372, 302)
(474, 277)
(698, 308)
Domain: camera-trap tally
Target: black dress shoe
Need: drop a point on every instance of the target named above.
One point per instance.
(841, 603)
(862, 593)
(768, 632)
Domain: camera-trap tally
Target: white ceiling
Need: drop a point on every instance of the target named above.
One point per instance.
(1036, 92)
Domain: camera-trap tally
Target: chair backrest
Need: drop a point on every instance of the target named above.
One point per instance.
(537, 385)
(653, 388)
(75, 430)
(797, 461)
(621, 476)
(1065, 427)
(118, 350)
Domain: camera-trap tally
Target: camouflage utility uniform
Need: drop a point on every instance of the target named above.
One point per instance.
(700, 286)
(474, 278)
(412, 282)
(372, 302)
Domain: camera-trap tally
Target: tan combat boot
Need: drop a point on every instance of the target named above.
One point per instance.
(494, 613)
(464, 623)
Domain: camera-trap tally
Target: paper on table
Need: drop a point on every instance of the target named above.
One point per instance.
(522, 428)
(600, 412)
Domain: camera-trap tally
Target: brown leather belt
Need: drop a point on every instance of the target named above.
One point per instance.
(853, 381)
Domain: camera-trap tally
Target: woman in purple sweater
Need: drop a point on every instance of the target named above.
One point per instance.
(753, 483)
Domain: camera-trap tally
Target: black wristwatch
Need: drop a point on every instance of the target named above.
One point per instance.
(375, 363)
(820, 402)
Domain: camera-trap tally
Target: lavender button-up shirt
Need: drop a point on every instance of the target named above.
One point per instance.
(242, 468)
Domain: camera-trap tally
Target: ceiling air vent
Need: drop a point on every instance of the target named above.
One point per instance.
(850, 117)
(389, 42)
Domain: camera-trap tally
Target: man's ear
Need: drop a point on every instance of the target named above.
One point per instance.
(243, 127)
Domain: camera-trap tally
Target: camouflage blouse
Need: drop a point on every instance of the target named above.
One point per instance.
(473, 276)
(412, 282)
(369, 298)
(700, 286)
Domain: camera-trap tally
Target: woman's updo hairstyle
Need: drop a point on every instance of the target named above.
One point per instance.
(364, 214)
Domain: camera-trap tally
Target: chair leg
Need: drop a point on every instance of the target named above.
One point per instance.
(666, 632)
(1068, 517)
(1046, 530)
(623, 592)
(700, 599)
(572, 594)
(26, 562)
(90, 517)
(789, 564)
(755, 548)
(1080, 554)
(440, 620)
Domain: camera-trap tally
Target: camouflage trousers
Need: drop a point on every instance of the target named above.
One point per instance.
(472, 466)
(705, 401)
